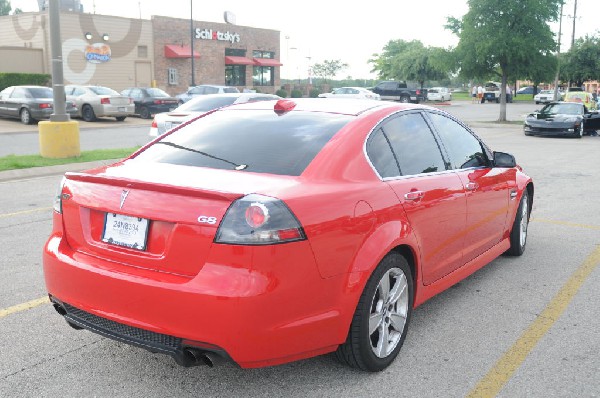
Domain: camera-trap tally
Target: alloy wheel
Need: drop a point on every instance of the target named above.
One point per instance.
(389, 311)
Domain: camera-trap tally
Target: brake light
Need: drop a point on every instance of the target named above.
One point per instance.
(45, 106)
(418, 92)
(105, 101)
(259, 220)
(154, 124)
(282, 106)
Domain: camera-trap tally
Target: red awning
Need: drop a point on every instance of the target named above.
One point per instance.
(231, 60)
(267, 62)
(179, 51)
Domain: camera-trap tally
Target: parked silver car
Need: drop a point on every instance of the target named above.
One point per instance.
(205, 89)
(30, 103)
(165, 121)
(98, 101)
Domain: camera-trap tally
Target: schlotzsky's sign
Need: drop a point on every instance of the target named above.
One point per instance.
(97, 53)
(209, 34)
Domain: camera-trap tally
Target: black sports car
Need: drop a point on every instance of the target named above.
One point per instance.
(562, 118)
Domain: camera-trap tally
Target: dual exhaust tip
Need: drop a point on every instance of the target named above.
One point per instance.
(189, 356)
(195, 357)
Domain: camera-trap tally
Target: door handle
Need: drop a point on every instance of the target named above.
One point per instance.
(414, 195)
(471, 186)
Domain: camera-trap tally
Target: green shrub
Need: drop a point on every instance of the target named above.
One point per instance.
(20, 79)
(296, 94)
(282, 93)
(314, 93)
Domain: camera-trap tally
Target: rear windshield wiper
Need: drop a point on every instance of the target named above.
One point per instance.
(235, 165)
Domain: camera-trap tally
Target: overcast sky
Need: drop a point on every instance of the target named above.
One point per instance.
(313, 31)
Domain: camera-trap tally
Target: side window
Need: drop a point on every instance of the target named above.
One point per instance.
(381, 156)
(414, 145)
(19, 93)
(196, 90)
(211, 90)
(463, 148)
(78, 91)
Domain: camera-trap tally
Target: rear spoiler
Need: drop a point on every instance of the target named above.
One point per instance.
(152, 186)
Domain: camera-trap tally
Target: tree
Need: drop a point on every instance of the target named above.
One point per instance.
(5, 7)
(17, 11)
(504, 38)
(328, 69)
(410, 60)
(582, 61)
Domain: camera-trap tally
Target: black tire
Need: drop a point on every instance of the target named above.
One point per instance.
(358, 350)
(120, 118)
(404, 99)
(518, 233)
(26, 117)
(145, 113)
(87, 113)
(579, 133)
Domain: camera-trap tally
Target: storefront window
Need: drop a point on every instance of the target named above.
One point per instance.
(263, 76)
(263, 54)
(235, 75)
(235, 52)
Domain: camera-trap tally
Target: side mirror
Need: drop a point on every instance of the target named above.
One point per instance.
(504, 160)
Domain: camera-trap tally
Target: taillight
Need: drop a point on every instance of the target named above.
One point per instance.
(45, 106)
(160, 102)
(59, 197)
(105, 101)
(259, 220)
(154, 124)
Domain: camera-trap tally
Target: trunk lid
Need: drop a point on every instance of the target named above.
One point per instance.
(183, 207)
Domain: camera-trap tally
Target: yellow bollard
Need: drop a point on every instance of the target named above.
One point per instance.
(59, 140)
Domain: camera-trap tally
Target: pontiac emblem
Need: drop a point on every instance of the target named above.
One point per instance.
(123, 197)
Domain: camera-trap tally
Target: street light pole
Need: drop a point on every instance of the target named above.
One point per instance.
(58, 86)
(192, 41)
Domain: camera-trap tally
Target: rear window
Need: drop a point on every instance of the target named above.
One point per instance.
(204, 104)
(249, 140)
(230, 90)
(41, 92)
(103, 90)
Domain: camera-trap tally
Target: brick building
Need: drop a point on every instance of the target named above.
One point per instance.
(123, 52)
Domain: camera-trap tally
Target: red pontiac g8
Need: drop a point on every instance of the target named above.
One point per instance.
(269, 232)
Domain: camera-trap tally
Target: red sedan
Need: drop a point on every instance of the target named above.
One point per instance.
(269, 232)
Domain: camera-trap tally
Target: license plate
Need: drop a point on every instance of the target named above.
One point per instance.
(122, 109)
(170, 125)
(125, 231)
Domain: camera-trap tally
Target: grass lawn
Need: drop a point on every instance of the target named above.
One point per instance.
(12, 162)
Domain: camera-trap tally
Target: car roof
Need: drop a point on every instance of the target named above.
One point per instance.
(332, 105)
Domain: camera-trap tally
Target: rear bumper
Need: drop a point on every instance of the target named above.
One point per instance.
(282, 312)
(115, 110)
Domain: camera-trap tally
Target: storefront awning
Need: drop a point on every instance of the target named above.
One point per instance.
(178, 51)
(231, 60)
(267, 62)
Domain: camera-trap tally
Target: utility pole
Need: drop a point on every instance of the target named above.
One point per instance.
(558, 53)
(574, 19)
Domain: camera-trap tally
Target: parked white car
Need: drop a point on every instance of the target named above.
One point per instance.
(165, 121)
(545, 96)
(98, 101)
(439, 94)
(351, 92)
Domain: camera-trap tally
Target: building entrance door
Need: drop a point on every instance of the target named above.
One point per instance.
(143, 74)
